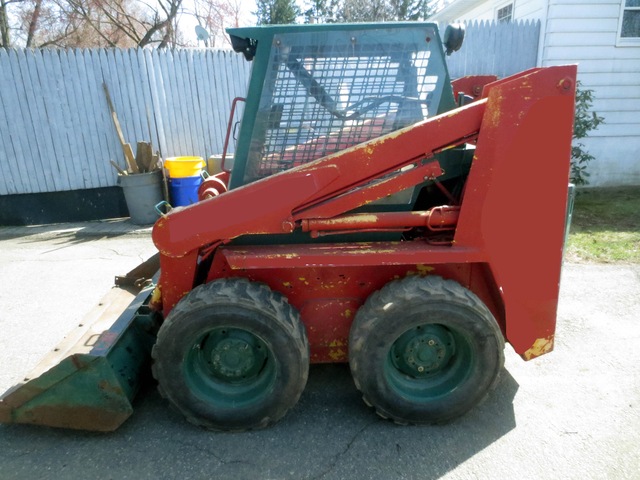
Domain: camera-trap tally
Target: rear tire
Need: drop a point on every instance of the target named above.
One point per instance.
(424, 350)
(232, 355)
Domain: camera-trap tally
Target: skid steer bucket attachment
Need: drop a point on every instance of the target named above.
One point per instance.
(90, 379)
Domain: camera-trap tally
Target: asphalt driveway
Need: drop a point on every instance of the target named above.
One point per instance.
(572, 414)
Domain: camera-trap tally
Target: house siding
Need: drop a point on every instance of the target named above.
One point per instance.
(482, 12)
(529, 10)
(586, 33)
(522, 10)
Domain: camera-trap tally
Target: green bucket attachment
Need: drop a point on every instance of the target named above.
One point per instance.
(89, 380)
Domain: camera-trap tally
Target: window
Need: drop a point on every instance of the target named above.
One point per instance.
(630, 21)
(505, 14)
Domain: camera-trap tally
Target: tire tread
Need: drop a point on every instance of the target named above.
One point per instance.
(242, 292)
(411, 288)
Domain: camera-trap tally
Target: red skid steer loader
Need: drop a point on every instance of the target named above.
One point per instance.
(372, 214)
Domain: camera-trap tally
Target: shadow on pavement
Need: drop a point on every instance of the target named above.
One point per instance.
(330, 434)
(84, 230)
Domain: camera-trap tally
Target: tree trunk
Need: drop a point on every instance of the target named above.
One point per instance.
(33, 23)
(5, 38)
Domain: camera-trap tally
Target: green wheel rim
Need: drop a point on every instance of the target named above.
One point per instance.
(428, 361)
(229, 367)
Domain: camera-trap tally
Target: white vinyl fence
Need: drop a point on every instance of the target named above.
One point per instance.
(492, 48)
(56, 132)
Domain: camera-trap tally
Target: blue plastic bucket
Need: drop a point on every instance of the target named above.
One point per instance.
(184, 191)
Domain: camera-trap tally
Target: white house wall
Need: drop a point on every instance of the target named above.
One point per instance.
(523, 10)
(585, 32)
(484, 11)
(529, 10)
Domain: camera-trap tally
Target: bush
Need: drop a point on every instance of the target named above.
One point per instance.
(585, 121)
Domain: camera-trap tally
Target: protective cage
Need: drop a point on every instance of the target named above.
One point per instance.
(323, 91)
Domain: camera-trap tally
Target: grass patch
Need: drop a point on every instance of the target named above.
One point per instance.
(605, 226)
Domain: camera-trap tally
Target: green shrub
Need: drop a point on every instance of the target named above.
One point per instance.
(585, 121)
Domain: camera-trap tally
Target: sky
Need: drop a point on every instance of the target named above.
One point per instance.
(188, 22)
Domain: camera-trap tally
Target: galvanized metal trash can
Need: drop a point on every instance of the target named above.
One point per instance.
(142, 191)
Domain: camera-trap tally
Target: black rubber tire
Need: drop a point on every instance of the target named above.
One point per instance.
(388, 329)
(189, 377)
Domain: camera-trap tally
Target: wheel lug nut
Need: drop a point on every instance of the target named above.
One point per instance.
(432, 343)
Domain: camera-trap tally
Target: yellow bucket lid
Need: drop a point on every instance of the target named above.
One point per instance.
(180, 167)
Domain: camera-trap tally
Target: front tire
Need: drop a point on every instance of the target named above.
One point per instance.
(424, 350)
(232, 355)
